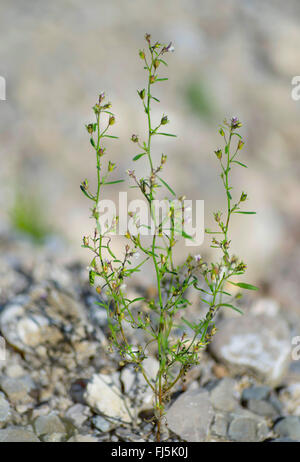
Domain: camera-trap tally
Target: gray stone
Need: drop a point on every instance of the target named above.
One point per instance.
(262, 408)
(190, 415)
(257, 393)
(102, 424)
(4, 409)
(220, 425)
(77, 414)
(17, 435)
(48, 424)
(17, 389)
(242, 429)
(222, 395)
(106, 398)
(254, 344)
(54, 437)
(288, 427)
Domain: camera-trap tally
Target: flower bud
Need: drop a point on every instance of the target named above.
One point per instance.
(111, 166)
(85, 184)
(164, 120)
(218, 153)
(142, 54)
(156, 63)
(241, 144)
(112, 120)
(163, 159)
(221, 131)
(152, 78)
(148, 38)
(142, 93)
(134, 139)
(243, 197)
(235, 123)
(101, 97)
(90, 128)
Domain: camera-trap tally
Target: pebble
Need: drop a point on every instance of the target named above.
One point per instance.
(17, 389)
(103, 396)
(242, 429)
(288, 427)
(254, 344)
(17, 435)
(190, 415)
(102, 424)
(47, 425)
(4, 409)
(77, 414)
(222, 395)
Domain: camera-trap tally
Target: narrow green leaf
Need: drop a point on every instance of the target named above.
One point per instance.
(240, 163)
(138, 156)
(111, 136)
(164, 62)
(246, 213)
(190, 325)
(166, 185)
(165, 134)
(161, 80)
(113, 182)
(92, 142)
(232, 307)
(244, 285)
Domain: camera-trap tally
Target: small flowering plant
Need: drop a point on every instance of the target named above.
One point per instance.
(160, 317)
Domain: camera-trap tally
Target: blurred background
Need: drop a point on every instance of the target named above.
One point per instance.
(233, 58)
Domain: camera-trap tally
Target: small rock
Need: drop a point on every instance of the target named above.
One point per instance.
(242, 429)
(77, 414)
(220, 425)
(261, 401)
(17, 390)
(254, 344)
(102, 424)
(222, 395)
(46, 425)
(4, 410)
(258, 423)
(106, 398)
(262, 408)
(257, 393)
(288, 427)
(190, 415)
(78, 389)
(17, 435)
(54, 438)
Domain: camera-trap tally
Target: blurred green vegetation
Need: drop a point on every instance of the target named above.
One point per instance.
(27, 216)
(199, 99)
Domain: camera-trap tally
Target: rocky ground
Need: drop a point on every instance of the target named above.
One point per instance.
(58, 382)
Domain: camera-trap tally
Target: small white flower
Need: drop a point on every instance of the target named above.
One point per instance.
(197, 257)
